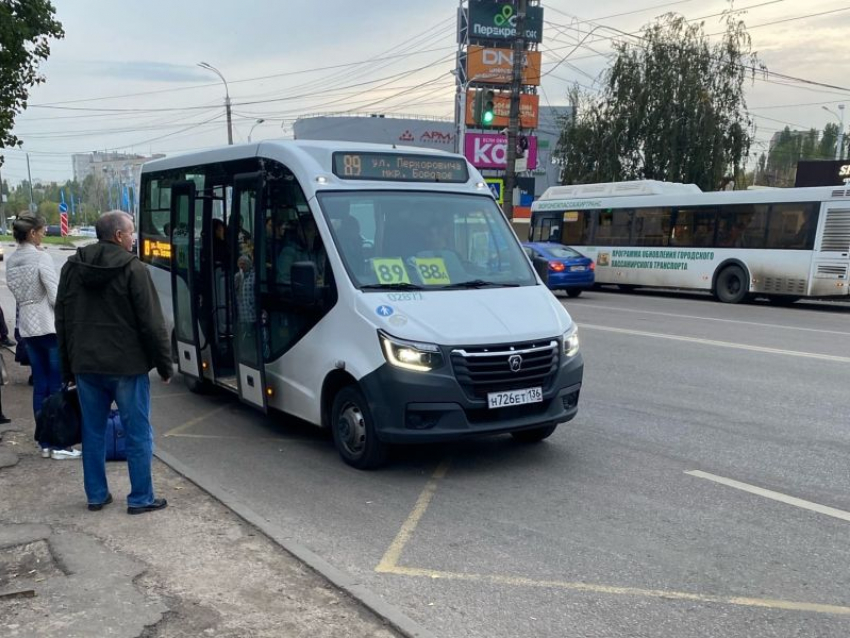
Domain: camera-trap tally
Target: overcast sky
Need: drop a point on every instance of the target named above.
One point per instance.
(125, 76)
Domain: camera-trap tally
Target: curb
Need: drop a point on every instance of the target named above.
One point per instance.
(366, 597)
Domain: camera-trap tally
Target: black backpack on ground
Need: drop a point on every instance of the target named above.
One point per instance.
(59, 423)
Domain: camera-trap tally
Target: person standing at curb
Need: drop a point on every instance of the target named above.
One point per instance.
(111, 334)
(31, 276)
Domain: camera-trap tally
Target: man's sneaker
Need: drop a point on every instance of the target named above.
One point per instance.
(158, 504)
(5, 341)
(60, 455)
(45, 452)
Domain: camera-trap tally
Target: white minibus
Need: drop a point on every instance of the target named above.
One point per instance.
(374, 290)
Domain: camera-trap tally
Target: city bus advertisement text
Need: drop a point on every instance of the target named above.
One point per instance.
(652, 259)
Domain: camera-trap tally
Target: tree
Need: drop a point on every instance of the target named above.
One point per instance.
(672, 108)
(25, 29)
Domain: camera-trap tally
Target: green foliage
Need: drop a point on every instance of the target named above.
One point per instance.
(672, 108)
(25, 29)
(779, 167)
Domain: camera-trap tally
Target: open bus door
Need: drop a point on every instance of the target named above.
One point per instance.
(246, 234)
(185, 269)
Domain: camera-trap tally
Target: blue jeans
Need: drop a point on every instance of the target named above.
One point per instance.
(43, 353)
(132, 393)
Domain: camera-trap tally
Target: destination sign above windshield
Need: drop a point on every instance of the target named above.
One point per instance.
(399, 167)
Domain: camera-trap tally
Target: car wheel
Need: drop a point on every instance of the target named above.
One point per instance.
(574, 292)
(534, 435)
(354, 431)
(732, 285)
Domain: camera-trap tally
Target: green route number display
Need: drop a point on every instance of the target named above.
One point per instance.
(400, 167)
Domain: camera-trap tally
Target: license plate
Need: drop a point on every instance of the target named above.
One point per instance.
(577, 268)
(514, 397)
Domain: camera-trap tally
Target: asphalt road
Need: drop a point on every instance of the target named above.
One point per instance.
(703, 490)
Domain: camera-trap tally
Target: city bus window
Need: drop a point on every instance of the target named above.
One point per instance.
(792, 226)
(576, 226)
(694, 227)
(615, 227)
(652, 226)
(742, 226)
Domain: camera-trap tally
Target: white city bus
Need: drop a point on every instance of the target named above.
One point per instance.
(783, 244)
(375, 290)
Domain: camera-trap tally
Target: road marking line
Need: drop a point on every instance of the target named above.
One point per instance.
(195, 421)
(389, 562)
(748, 323)
(742, 601)
(776, 496)
(719, 344)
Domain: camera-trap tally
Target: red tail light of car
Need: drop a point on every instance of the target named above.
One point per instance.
(593, 265)
(557, 266)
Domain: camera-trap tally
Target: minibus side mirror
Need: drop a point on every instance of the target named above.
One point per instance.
(303, 277)
(541, 265)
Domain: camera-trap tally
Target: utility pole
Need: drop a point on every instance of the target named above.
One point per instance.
(513, 125)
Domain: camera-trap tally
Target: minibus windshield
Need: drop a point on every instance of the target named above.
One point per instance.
(408, 240)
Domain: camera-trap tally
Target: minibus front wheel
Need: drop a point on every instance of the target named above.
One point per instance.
(354, 430)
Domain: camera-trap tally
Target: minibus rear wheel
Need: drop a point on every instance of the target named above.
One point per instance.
(534, 434)
(354, 430)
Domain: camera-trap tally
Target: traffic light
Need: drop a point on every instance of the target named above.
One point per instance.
(477, 105)
(488, 108)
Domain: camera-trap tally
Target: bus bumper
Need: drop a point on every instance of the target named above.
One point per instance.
(414, 407)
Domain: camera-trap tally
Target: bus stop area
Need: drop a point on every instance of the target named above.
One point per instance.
(194, 569)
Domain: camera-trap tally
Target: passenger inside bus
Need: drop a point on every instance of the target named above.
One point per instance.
(306, 246)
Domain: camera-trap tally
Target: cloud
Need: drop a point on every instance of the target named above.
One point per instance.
(144, 70)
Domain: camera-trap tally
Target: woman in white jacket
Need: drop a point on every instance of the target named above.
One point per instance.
(32, 278)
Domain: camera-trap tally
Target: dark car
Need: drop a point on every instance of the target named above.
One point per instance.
(568, 269)
(53, 230)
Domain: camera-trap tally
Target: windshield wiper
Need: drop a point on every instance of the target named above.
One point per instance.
(401, 285)
(478, 283)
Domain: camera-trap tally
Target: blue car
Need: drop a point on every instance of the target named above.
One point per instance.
(569, 270)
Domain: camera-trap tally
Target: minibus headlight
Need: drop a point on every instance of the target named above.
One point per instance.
(571, 341)
(410, 355)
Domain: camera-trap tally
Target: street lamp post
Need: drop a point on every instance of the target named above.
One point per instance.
(839, 144)
(461, 121)
(210, 67)
(256, 124)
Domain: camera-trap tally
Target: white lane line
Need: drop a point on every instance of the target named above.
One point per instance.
(740, 321)
(776, 496)
(719, 344)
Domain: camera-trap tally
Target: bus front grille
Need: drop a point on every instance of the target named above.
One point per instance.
(483, 369)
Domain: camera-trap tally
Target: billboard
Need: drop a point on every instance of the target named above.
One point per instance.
(822, 173)
(529, 106)
(490, 20)
(490, 150)
(487, 65)
(378, 130)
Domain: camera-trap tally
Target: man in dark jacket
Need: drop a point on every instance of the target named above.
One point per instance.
(111, 334)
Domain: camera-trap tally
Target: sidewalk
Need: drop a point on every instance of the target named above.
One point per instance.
(194, 569)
